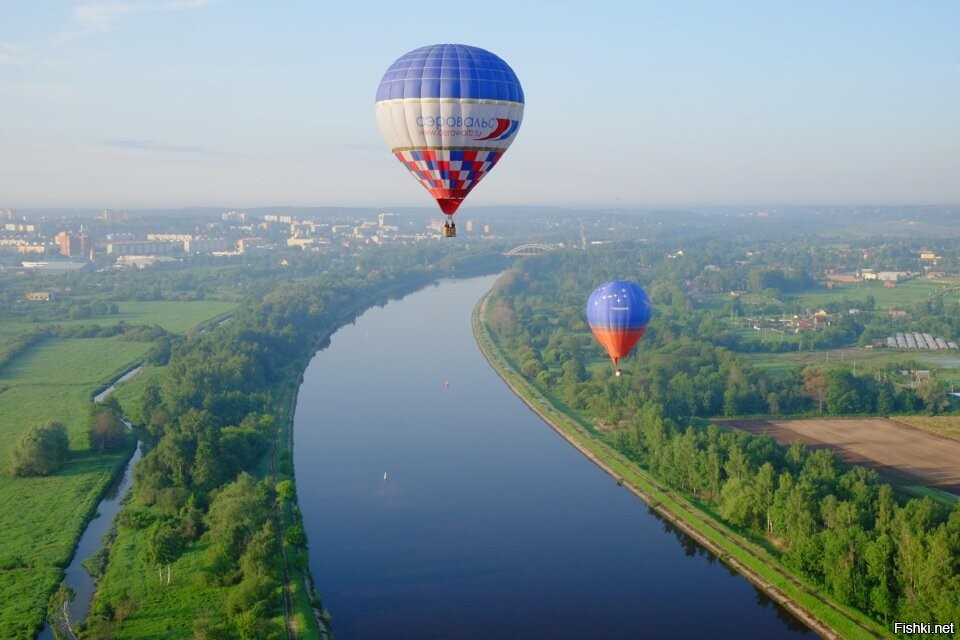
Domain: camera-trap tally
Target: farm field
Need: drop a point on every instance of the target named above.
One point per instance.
(893, 449)
(946, 426)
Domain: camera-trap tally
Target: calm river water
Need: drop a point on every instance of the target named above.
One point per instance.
(437, 505)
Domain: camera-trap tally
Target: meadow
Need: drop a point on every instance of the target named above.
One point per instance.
(163, 610)
(178, 317)
(858, 358)
(55, 379)
(901, 296)
(43, 517)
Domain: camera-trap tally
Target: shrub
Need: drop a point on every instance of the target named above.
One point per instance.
(40, 451)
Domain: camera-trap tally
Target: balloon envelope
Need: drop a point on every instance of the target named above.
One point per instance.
(448, 113)
(618, 312)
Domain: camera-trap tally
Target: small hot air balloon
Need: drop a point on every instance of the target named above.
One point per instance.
(448, 113)
(618, 312)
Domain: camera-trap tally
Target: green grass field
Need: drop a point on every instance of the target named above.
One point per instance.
(175, 316)
(862, 359)
(128, 393)
(902, 296)
(937, 495)
(43, 517)
(178, 317)
(163, 611)
(55, 379)
(11, 328)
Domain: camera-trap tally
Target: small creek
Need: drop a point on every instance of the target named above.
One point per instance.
(76, 576)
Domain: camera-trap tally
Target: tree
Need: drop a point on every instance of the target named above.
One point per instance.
(796, 455)
(40, 451)
(844, 564)
(502, 318)
(739, 503)
(573, 371)
(815, 383)
(880, 572)
(773, 403)
(149, 404)
(737, 465)
(765, 489)
(106, 428)
(885, 398)
(163, 545)
(799, 525)
(933, 393)
(236, 514)
(287, 490)
(260, 558)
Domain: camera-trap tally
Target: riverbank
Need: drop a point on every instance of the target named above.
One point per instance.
(824, 617)
(191, 601)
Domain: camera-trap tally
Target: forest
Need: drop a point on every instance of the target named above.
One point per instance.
(844, 528)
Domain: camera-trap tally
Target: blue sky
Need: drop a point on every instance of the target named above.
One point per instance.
(241, 103)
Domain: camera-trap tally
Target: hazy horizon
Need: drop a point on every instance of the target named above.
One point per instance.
(177, 104)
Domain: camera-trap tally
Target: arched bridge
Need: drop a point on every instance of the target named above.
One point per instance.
(528, 250)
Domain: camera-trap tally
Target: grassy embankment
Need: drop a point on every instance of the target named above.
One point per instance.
(747, 557)
(55, 379)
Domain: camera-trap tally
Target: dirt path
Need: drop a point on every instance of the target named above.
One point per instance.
(892, 448)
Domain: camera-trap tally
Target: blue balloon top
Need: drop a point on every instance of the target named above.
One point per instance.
(450, 71)
(618, 305)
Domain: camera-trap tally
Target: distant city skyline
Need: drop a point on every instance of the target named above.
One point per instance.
(184, 103)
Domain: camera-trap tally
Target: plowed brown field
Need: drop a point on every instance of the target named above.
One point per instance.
(891, 448)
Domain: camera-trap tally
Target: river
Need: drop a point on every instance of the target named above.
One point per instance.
(437, 505)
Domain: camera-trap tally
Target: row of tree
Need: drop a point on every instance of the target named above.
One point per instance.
(842, 528)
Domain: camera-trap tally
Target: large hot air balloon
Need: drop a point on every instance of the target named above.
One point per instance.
(618, 312)
(448, 113)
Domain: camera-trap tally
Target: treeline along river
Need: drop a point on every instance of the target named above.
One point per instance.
(437, 505)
